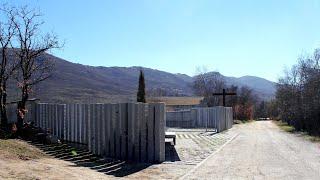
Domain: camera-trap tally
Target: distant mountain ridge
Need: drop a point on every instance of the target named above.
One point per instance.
(75, 83)
(265, 89)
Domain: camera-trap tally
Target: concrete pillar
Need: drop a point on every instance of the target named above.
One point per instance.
(151, 129)
(159, 132)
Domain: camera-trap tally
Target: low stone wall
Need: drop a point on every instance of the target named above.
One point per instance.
(220, 118)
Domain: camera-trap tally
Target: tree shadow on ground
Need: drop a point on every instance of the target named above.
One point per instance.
(81, 157)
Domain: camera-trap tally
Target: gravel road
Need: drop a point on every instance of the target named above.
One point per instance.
(262, 151)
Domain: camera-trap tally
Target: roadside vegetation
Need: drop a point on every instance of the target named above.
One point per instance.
(289, 128)
(285, 126)
(297, 99)
(298, 95)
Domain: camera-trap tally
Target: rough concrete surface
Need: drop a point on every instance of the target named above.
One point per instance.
(262, 151)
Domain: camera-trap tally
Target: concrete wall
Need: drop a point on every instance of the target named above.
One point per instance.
(128, 131)
(179, 119)
(220, 118)
(12, 111)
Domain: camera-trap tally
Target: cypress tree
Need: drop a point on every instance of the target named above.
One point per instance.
(141, 90)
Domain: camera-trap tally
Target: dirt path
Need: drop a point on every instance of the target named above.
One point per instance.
(262, 151)
(32, 160)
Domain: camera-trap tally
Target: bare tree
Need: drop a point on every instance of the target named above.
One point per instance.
(298, 95)
(32, 46)
(7, 64)
(206, 83)
(246, 102)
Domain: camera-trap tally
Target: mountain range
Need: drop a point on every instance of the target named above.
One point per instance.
(75, 83)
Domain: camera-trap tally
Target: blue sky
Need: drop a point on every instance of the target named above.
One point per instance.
(237, 38)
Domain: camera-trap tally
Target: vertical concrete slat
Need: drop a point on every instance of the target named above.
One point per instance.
(143, 134)
(70, 122)
(159, 132)
(59, 121)
(218, 119)
(83, 124)
(48, 119)
(117, 130)
(107, 112)
(112, 129)
(54, 120)
(51, 117)
(68, 130)
(100, 119)
(91, 137)
(103, 130)
(123, 125)
(64, 120)
(131, 120)
(151, 121)
(44, 120)
(215, 118)
(39, 114)
(96, 130)
(162, 130)
(95, 143)
(137, 132)
(36, 115)
(79, 122)
(89, 127)
(76, 122)
(87, 121)
(66, 123)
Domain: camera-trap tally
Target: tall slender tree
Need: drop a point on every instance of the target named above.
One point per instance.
(141, 95)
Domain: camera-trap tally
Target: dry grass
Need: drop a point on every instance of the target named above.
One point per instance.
(172, 101)
(17, 149)
(309, 137)
(284, 126)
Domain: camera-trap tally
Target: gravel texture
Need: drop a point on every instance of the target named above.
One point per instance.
(262, 151)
